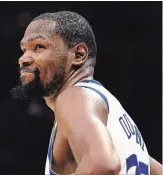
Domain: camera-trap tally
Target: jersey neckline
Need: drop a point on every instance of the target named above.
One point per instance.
(91, 81)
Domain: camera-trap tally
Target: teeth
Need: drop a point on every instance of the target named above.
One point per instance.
(26, 72)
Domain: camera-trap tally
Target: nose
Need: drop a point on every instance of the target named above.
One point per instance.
(25, 61)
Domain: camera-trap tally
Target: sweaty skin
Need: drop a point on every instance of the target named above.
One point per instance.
(81, 114)
(81, 111)
(76, 150)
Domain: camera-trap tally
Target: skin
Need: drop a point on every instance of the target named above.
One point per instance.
(155, 167)
(76, 150)
(46, 59)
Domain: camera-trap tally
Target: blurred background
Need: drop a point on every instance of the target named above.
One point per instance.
(129, 39)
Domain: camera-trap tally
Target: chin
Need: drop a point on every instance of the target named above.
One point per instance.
(27, 78)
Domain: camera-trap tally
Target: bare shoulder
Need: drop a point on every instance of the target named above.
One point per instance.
(81, 100)
(82, 115)
(76, 93)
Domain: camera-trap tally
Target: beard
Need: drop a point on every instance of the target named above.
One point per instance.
(36, 89)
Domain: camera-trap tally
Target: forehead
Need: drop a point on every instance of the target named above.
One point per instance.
(41, 27)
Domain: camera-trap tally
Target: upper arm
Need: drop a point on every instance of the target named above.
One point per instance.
(155, 167)
(83, 116)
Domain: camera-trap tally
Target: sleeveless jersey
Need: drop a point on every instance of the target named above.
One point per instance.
(126, 137)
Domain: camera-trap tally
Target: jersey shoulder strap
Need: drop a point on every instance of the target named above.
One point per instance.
(96, 86)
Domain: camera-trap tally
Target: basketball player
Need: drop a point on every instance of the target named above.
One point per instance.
(93, 134)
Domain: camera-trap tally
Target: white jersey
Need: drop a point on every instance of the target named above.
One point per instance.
(125, 135)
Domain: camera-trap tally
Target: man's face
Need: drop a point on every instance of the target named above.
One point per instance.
(44, 61)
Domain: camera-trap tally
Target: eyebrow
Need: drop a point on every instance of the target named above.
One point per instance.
(34, 38)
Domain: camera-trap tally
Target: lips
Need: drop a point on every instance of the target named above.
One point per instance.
(26, 70)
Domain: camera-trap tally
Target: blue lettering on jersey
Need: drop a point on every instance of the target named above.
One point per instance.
(141, 168)
(131, 130)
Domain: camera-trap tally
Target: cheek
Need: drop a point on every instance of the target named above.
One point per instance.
(50, 65)
(47, 72)
(45, 62)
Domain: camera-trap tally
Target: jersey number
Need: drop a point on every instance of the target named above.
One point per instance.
(141, 168)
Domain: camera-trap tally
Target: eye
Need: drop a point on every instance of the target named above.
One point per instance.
(39, 46)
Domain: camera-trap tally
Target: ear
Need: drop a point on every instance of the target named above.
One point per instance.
(81, 54)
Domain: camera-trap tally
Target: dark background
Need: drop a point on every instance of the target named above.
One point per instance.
(128, 36)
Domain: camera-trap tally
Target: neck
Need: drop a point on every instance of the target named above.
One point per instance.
(85, 72)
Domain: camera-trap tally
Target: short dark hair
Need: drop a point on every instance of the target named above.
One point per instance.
(73, 28)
